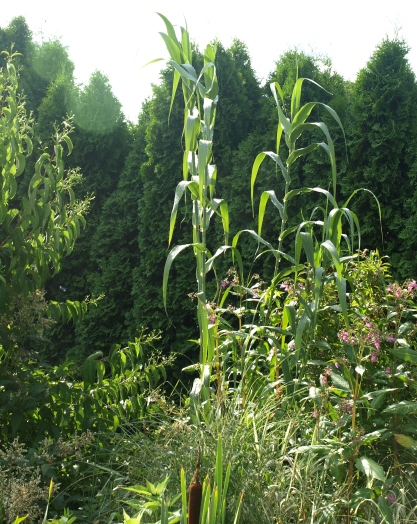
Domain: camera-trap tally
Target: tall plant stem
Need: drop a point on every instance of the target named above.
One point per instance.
(284, 221)
(220, 399)
(397, 326)
(355, 390)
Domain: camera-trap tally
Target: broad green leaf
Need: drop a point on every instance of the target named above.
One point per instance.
(404, 353)
(370, 468)
(153, 62)
(175, 83)
(211, 89)
(333, 113)
(405, 407)
(405, 441)
(340, 382)
(275, 87)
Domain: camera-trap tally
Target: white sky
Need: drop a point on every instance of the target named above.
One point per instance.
(118, 37)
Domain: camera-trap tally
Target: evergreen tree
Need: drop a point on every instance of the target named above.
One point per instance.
(18, 35)
(101, 143)
(382, 144)
(114, 249)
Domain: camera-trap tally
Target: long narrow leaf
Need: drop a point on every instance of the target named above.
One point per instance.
(266, 195)
(303, 113)
(168, 263)
(340, 281)
(283, 120)
(179, 191)
(171, 31)
(297, 153)
(257, 164)
(220, 251)
(296, 97)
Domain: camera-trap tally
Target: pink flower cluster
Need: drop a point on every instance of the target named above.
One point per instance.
(288, 286)
(409, 288)
(369, 335)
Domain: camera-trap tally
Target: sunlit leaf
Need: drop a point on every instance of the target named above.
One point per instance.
(370, 468)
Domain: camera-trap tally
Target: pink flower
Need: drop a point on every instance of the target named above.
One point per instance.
(412, 286)
(323, 380)
(345, 336)
(212, 319)
(391, 498)
(374, 357)
(377, 343)
(285, 286)
(388, 371)
(391, 338)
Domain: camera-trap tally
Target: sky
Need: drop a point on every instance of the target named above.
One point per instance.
(120, 37)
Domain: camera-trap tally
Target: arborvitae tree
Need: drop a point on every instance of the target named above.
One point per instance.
(56, 105)
(101, 143)
(239, 115)
(39, 64)
(50, 59)
(18, 35)
(114, 249)
(382, 144)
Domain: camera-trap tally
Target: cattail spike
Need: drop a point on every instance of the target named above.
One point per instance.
(195, 493)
